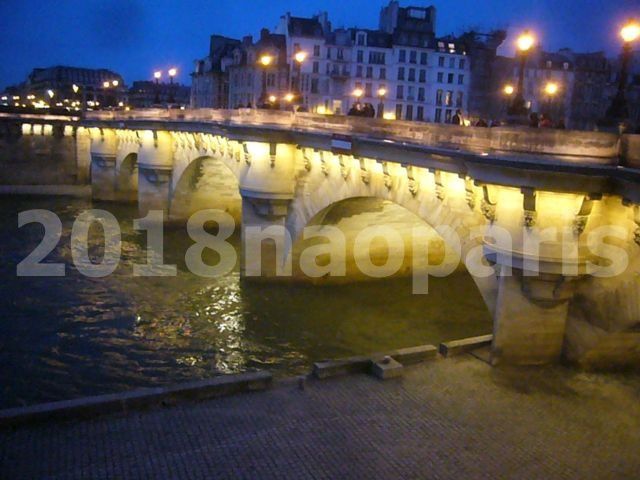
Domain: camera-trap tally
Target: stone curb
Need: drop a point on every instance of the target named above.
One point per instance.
(363, 364)
(79, 191)
(136, 399)
(458, 347)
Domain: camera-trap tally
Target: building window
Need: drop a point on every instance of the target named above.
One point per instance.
(423, 58)
(412, 75)
(441, 61)
(314, 85)
(450, 78)
(359, 71)
(452, 62)
(411, 92)
(400, 92)
(423, 76)
(401, 73)
(409, 113)
(413, 56)
(360, 56)
(459, 97)
(403, 56)
(377, 58)
(383, 74)
(460, 79)
(399, 111)
(340, 54)
(368, 89)
(438, 118)
(421, 94)
(439, 94)
(440, 77)
(329, 53)
(361, 39)
(420, 113)
(448, 98)
(461, 64)
(369, 72)
(316, 50)
(447, 116)
(316, 67)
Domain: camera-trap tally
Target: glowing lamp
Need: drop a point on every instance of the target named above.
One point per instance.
(630, 32)
(525, 41)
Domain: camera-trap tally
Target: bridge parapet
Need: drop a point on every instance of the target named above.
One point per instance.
(589, 147)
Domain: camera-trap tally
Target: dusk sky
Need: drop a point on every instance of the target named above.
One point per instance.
(134, 37)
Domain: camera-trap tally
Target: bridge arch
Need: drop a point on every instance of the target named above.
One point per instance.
(205, 182)
(445, 204)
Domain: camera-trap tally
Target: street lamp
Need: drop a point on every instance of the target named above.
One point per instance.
(382, 92)
(51, 93)
(508, 90)
(629, 33)
(115, 83)
(157, 75)
(524, 44)
(296, 81)
(551, 89)
(265, 60)
(172, 73)
(105, 84)
(358, 94)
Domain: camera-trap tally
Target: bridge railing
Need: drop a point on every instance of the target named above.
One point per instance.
(572, 145)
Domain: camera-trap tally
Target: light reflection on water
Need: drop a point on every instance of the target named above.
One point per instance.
(73, 336)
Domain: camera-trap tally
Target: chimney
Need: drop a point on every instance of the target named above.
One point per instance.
(264, 34)
(247, 41)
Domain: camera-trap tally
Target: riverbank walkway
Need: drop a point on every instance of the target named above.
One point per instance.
(454, 418)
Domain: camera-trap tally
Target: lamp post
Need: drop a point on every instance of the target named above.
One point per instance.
(551, 89)
(172, 73)
(382, 92)
(265, 60)
(157, 75)
(296, 83)
(524, 44)
(619, 110)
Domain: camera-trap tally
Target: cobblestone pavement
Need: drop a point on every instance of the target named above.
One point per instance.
(455, 418)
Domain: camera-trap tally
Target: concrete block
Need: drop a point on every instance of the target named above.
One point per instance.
(413, 355)
(457, 347)
(387, 368)
(344, 366)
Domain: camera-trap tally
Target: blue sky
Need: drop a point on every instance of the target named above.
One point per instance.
(134, 37)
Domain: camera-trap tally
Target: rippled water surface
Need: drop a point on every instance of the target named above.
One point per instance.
(73, 336)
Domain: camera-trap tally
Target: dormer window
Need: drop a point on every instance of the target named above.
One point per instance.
(362, 39)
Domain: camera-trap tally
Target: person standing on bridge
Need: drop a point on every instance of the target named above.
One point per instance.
(457, 119)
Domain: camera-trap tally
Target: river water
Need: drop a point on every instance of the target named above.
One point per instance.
(71, 336)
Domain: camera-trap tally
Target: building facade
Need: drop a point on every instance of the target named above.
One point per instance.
(402, 68)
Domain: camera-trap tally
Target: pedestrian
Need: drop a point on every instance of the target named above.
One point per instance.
(457, 118)
(534, 121)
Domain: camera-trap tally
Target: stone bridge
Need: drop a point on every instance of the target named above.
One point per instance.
(479, 195)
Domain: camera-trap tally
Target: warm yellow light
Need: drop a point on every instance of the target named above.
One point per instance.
(115, 83)
(266, 60)
(525, 41)
(389, 116)
(289, 97)
(105, 84)
(75, 88)
(16, 97)
(551, 88)
(321, 110)
(272, 98)
(50, 93)
(300, 56)
(630, 32)
(358, 92)
(173, 72)
(382, 92)
(508, 89)
(127, 108)
(157, 75)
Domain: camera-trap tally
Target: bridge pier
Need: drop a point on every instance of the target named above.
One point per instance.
(530, 318)
(103, 164)
(155, 166)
